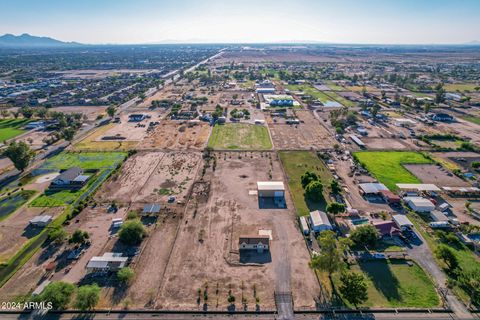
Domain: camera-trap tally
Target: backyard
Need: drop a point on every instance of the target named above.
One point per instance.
(295, 164)
(387, 166)
(240, 136)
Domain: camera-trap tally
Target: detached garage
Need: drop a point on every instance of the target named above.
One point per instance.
(419, 204)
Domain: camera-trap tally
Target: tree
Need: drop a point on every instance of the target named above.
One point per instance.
(79, 237)
(20, 154)
(26, 112)
(330, 259)
(470, 281)
(68, 134)
(439, 94)
(335, 208)
(335, 186)
(87, 297)
(59, 293)
(308, 177)
(111, 110)
(446, 254)
(5, 113)
(125, 275)
(132, 232)
(353, 288)
(365, 235)
(57, 235)
(314, 191)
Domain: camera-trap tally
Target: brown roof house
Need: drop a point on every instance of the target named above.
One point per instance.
(254, 242)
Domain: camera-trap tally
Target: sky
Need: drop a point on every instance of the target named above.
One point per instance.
(245, 21)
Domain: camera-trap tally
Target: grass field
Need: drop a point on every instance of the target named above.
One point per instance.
(387, 166)
(335, 87)
(240, 136)
(295, 164)
(472, 119)
(396, 284)
(90, 143)
(461, 87)
(335, 96)
(84, 160)
(10, 128)
(311, 91)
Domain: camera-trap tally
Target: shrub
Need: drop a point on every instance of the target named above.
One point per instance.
(132, 232)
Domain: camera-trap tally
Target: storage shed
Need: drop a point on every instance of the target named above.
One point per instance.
(419, 204)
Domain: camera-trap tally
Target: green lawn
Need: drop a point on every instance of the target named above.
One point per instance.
(309, 90)
(240, 136)
(335, 87)
(396, 284)
(10, 128)
(335, 96)
(295, 164)
(84, 160)
(387, 166)
(472, 119)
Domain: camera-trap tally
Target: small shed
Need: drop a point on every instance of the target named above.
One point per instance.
(151, 208)
(319, 221)
(41, 221)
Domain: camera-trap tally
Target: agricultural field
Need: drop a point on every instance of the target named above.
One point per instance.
(10, 128)
(396, 284)
(453, 87)
(309, 90)
(387, 166)
(240, 136)
(295, 164)
(472, 119)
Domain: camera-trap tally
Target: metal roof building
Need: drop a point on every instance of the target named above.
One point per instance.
(418, 186)
(319, 221)
(270, 189)
(372, 188)
(151, 208)
(419, 204)
(402, 221)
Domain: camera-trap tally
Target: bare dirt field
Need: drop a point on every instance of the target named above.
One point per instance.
(15, 230)
(205, 253)
(152, 177)
(131, 131)
(274, 56)
(175, 135)
(34, 138)
(90, 111)
(430, 173)
(309, 134)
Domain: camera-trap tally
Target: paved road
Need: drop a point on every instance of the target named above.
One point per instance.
(421, 253)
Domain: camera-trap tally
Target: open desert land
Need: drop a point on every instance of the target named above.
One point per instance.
(206, 247)
(177, 135)
(309, 134)
(152, 177)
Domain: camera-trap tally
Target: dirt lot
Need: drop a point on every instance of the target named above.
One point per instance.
(175, 135)
(152, 177)
(430, 173)
(131, 131)
(15, 230)
(308, 135)
(90, 111)
(35, 139)
(205, 251)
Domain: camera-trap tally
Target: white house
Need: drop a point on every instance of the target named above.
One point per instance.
(319, 221)
(254, 242)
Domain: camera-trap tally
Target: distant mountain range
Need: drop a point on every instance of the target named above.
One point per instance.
(28, 41)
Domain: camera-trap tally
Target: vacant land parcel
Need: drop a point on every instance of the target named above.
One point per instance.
(310, 134)
(175, 135)
(206, 248)
(240, 136)
(152, 177)
(388, 167)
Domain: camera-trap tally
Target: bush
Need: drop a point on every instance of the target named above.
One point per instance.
(79, 237)
(125, 275)
(87, 297)
(58, 293)
(132, 215)
(308, 177)
(132, 232)
(57, 235)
